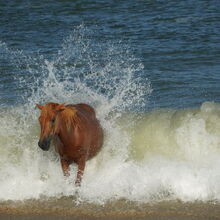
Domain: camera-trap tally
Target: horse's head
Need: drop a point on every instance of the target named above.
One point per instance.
(48, 122)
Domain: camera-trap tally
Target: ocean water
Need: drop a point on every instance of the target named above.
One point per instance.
(151, 71)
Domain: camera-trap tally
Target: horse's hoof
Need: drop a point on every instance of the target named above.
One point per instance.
(77, 184)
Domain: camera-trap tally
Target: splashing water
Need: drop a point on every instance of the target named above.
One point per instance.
(164, 154)
(105, 75)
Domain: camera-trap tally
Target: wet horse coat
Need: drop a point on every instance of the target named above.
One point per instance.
(75, 131)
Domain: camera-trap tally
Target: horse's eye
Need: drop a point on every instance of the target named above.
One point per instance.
(53, 120)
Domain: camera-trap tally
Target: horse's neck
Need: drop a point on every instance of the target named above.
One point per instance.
(65, 132)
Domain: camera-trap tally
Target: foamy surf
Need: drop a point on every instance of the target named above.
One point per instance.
(165, 155)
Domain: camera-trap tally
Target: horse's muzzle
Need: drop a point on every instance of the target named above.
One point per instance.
(45, 143)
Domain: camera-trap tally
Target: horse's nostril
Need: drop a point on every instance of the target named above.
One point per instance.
(45, 144)
(39, 144)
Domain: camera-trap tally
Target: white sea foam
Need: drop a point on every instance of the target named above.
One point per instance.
(178, 160)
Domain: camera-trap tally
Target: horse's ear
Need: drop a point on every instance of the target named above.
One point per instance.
(60, 107)
(39, 106)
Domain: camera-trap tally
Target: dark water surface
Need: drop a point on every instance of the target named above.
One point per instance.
(177, 42)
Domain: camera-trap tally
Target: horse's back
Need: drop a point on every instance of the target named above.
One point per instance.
(87, 108)
(84, 108)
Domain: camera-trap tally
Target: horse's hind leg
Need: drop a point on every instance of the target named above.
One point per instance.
(65, 167)
(81, 167)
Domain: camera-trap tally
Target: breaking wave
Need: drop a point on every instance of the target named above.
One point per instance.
(147, 156)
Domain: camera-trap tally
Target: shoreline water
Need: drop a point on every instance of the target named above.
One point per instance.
(66, 209)
(159, 157)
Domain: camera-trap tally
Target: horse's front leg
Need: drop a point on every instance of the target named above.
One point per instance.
(65, 167)
(81, 166)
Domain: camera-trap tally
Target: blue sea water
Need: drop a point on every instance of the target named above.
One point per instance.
(151, 69)
(176, 41)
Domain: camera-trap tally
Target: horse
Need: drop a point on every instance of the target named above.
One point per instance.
(75, 131)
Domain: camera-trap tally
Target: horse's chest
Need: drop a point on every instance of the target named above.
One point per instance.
(71, 153)
(73, 146)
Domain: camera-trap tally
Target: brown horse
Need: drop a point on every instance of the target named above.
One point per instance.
(75, 131)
